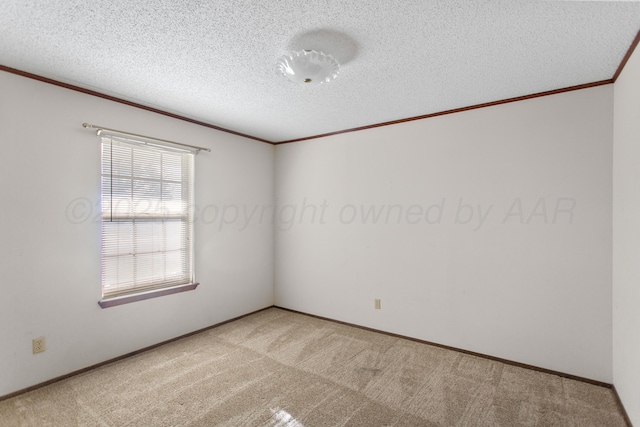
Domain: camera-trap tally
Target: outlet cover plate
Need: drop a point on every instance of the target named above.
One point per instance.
(39, 345)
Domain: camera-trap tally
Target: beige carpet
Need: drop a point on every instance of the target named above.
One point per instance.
(276, 368)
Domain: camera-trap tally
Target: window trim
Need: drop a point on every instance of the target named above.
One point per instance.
(140, 296)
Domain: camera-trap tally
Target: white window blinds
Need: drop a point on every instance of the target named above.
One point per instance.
(147, 217)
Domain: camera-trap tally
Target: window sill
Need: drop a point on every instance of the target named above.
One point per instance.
(126, 299)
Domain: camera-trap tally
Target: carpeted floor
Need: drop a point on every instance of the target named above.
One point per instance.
(277, 368)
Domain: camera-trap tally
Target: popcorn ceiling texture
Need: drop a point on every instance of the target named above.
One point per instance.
(213, 60)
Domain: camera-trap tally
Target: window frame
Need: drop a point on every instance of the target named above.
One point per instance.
(158, 288)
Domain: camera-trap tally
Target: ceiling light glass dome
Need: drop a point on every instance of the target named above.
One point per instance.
(307, 67)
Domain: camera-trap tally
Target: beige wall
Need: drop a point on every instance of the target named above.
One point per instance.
(493, 232)
(50, 255)
(626, 237)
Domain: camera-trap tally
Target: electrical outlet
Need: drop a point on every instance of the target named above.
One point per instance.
(377, 304)
(38, 345)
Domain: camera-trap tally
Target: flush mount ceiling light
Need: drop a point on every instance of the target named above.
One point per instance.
(308, 67)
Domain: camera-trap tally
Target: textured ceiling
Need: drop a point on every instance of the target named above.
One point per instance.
(213, 60)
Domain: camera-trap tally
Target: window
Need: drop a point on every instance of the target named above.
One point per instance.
(147, 220)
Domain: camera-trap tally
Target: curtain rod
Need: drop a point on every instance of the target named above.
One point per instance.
(101, 128)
